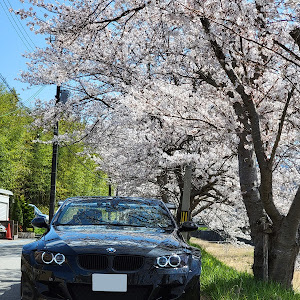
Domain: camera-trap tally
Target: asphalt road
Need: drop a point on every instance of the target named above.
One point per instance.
(10, 262)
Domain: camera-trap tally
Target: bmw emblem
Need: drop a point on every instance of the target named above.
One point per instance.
(111, 250)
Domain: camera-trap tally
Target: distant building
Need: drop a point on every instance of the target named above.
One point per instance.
(4, 204)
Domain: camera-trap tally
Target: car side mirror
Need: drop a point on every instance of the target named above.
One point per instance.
(40, 222)
(188, 226)
(171, 206)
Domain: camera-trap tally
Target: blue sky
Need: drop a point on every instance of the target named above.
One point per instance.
(16, 39)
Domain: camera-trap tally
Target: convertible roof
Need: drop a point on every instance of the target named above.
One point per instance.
(110, 198)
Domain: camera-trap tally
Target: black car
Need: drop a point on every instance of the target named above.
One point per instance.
(111, 248)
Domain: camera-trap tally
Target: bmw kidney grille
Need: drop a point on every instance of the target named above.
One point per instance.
(117, 263)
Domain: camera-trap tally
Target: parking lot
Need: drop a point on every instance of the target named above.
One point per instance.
(10, 274)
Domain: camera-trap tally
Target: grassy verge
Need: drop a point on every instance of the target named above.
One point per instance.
(220, 282)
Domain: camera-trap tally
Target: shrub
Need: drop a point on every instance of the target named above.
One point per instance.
(28, 214)
(17, 214)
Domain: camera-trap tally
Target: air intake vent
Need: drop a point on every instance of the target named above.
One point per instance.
(84, 291)
(119, 262)
(93, 261)
(127, 263)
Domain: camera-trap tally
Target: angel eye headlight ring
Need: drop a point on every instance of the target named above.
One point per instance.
(59, 258)
(162, 261)
(174, 260)
(47, 258)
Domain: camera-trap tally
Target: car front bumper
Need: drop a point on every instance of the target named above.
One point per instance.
(73, 283)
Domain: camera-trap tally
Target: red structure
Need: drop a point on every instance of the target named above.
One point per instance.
(8, 232)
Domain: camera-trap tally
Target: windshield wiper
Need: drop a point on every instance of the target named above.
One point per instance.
(124, 225)
(170, 227)
(66, 224)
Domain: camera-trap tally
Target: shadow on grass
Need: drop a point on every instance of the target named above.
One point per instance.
(245, 287)
(221, 282)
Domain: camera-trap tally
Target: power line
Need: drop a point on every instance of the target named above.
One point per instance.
(17, 28)
(24, 37)
(29, 99)
(13, 25)
(20, 24)
(13, 92)
(22, 33)
(35, 94)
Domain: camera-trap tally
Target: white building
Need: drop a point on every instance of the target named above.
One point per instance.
(4, 204)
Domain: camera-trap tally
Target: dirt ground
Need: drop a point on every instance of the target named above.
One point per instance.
(239, 257)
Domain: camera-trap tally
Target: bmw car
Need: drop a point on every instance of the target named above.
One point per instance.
(111, 248)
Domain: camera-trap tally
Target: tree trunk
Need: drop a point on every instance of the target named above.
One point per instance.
(162, 180)
(283, 254)
(283, 239)
(250, 192)
(283, 246)
(254, 208)
(283, 251)
(180, 182)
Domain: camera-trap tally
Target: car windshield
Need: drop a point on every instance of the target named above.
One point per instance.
(115, 212)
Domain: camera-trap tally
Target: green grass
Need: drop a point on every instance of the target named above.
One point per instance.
(203, 228)
(220, 282)
(39, 230)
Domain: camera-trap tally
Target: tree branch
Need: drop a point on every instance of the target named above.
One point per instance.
(125, 13)
(295, 34)
(264, 166)
(287, 49)
(280, 127)
(247, 99)
(293, 216)
(207, 78)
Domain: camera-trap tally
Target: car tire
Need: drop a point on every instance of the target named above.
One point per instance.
(197, 290)
(27, 292)
(194, 293)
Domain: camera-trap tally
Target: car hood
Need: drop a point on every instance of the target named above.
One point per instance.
(97, 239)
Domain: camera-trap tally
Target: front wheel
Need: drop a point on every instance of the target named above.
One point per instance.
(27, 292)
(193, 292)
(196, 292)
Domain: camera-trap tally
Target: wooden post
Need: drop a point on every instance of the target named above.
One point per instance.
(265, 252)
(185, 206)
(266, 230)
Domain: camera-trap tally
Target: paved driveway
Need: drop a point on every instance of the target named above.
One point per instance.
(10, 262)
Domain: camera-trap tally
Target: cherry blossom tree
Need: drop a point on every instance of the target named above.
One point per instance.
(263, 114)
(237, 61)
(155, 141)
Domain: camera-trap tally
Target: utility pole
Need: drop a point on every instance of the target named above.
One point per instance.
(109, 189)
(54, 162)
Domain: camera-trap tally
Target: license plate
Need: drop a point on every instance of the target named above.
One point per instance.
(109, 282)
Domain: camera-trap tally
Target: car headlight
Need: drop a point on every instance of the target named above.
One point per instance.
(172, 261)
(49, 258)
